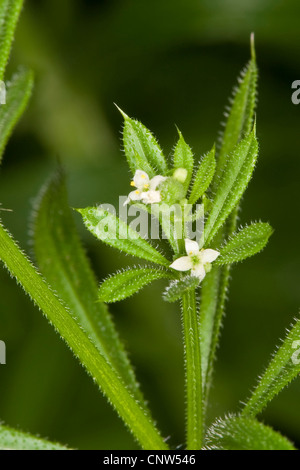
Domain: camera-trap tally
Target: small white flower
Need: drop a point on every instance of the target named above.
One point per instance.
(198, 261)
(146, 188)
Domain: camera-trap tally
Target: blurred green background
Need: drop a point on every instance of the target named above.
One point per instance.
(165, 63)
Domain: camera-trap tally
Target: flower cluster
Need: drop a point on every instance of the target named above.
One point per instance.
(197, 261)
(146, 189)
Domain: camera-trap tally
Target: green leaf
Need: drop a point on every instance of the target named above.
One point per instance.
(66, 268)
(133, 414)
(183, 158)
(17, 96)
(283, 368)
(246, 242)
(142, 149)
(208, 307)
(179, 287)
(239, 122)
(214, 293)
(11, 439)
(126, 283)
(9, 14)
(240, 114)
(203, 176)
(235, 178)
(238, 433)
(114, 232)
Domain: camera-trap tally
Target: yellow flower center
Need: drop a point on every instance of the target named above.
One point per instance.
(132, 183)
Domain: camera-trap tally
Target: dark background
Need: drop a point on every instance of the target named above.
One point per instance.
(163, 62)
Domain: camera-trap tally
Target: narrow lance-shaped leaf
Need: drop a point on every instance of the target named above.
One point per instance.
(134, 416)
(283, 368)
(126, 283)
(240, 115)
(64, 264)
(10, 439)
(247, 242)
(9, 14)
(116, 233)
(208, 306)
(238, 433)
(142, 149)
(183, 158)
(235, 178)
(203, 176)
(179, 287)
(17, 95)
(239, 122)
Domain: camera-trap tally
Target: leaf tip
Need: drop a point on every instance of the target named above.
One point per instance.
(252, 46)
(179, 132)
(213, 150)
(77, 210)
(122, 112)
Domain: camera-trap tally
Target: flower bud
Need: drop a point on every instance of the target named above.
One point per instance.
(180, 174)
(172, 191)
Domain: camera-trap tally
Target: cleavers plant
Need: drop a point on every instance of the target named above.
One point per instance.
(177, 194)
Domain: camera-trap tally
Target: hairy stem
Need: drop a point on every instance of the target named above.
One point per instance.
(193, 381)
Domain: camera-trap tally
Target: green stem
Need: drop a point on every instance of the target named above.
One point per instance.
(193, 371)
(103, 374)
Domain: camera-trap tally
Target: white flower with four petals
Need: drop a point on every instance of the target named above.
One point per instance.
(146, 189)
(198, 261)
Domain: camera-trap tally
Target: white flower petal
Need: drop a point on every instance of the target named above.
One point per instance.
(191, 246)
(141, 179)
(135, 195)
(208, 256)
(127, 201)
(182, 264)
(156, 181)
(199, 272)
(151, 197)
